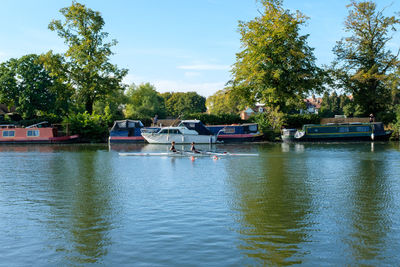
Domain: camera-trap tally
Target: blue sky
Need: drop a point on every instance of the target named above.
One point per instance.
(176, 45)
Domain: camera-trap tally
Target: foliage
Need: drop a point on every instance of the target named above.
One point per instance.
(364, 66)
(179, 104)
(213, 119)
(85, 66)
(396, 124)
(224, 101)
(335, 104)
(298, 120)
(25, 84)
(272, 118)
(276, 65)
(112, 105)
(89, 127)
(50, 118)
(144, 102)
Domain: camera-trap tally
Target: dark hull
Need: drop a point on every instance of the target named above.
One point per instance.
(53, 140)
(126, 140)
(384, 137)
(238, 138)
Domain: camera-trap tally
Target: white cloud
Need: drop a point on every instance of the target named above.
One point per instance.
(191, 74)
(204, 89)
(204, 67)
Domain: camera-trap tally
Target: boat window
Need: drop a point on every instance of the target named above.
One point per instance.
(121, 125)
(229, 130)
(170, 131)
(362, 129)
(343, 129)
(8, 133)
(31, 133)
(131, 124)
(253, 128)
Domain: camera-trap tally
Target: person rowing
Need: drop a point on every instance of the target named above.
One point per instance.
(172, 148)
(193, 149)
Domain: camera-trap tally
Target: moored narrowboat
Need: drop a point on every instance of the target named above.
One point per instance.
(40, 133)
(247, 132)
(128, 131)
(339, 132)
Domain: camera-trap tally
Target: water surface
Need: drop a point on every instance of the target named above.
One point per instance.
(307, 204)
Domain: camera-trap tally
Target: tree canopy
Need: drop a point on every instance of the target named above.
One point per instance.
(276, 66)
(364, 66)
(85, 65)
(25, 84)
(144, 101)
(180, 103)
(225, 101)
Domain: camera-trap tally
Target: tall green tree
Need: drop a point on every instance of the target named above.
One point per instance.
(364, 66)
(144, 102)
(224, 101)
(276, 65)
(86, 63)
(180, 103)
(25, 84)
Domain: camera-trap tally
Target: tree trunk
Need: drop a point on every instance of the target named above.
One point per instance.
(89, 105)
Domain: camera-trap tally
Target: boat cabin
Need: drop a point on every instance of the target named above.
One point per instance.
(340, 131)
(246, 132)
(195, 125)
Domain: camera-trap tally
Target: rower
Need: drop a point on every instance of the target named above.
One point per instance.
(172, 148)
(193, 149)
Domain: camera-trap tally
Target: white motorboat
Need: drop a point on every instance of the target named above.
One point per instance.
(186, 132)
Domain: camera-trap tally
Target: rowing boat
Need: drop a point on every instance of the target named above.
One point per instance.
(188, 154)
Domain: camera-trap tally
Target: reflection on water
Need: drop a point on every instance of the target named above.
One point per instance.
(91, 208)
(273, 203)
(295, 204)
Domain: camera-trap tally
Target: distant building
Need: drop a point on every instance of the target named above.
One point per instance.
(258, 108)
(313, 105)
(245, 114)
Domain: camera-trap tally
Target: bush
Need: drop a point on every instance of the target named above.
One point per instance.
(298, 120)
(50, 118)
(93, 128)
(396, 124)
(387, 117)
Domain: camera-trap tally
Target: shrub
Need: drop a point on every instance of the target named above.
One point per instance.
(92, 128)
(298, 120)
(50, 118)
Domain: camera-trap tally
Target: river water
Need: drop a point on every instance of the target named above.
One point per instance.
(295, 204)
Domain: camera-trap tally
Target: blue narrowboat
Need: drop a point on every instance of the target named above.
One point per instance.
(338, 132)
(247, 132)
(128, 131)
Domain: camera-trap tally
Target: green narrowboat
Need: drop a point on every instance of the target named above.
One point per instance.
(339, 132)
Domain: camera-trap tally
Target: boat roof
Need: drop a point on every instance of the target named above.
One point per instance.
(191, 121)
(234, 124)
(127, 124)
(344, 123)
(37, 124)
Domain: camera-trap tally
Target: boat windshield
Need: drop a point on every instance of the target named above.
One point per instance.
(169, 131)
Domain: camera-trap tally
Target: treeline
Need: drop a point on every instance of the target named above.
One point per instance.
(275, 66)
